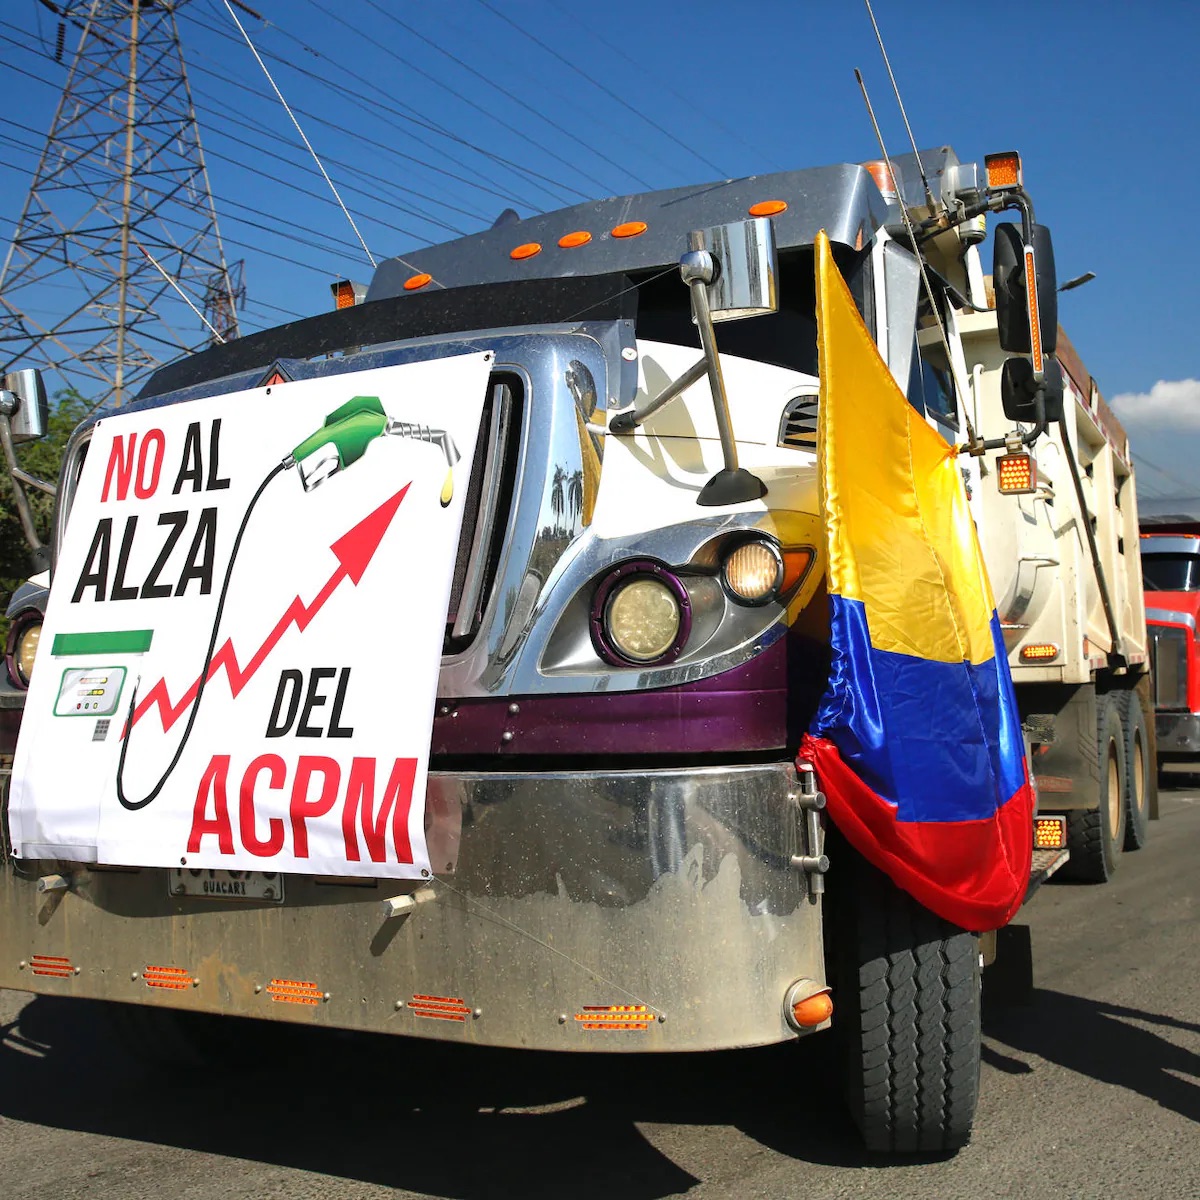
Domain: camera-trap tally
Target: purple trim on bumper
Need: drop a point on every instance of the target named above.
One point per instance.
(742, 709)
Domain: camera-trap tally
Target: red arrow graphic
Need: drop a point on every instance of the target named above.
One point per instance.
(354, 551)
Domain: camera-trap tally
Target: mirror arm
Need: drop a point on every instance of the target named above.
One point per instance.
(40, 554)
(627, 422)
(732, 484)
(981, 446)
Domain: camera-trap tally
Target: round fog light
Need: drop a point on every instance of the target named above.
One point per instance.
(753, 573)
(25, 651)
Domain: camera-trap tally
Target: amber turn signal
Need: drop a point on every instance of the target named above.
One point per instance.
(1003, 170)
(814, 1011)
(1016, 474)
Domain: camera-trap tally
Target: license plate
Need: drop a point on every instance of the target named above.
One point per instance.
(213, 884)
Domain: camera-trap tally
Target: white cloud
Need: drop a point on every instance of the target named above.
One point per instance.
(1169, 404)
(1163, 426)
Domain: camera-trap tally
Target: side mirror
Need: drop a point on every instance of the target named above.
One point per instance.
(1008, 279)
(744, 282)
(1018, 390)
(23, 400)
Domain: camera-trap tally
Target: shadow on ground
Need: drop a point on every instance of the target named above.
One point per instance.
(444, 1119)
(1105, 1042)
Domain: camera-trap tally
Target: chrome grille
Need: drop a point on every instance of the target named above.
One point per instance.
(1168, 661)
(485, 515)
(798, 427)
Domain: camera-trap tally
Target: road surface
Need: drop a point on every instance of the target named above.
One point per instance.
(1093, 1090)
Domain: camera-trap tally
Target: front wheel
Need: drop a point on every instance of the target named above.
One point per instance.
(909, 1009)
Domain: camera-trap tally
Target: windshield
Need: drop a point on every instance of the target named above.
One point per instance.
(1171, 572)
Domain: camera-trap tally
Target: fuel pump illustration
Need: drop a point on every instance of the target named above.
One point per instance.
(348, 432)
(342, 440)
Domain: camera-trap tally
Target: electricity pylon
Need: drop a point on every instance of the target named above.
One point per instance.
(121, 184)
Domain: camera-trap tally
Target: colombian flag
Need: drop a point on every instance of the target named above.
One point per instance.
(916, 741)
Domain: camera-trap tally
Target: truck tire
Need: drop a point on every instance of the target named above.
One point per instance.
(1140, 776)
(909, 1017)
(1096, 836)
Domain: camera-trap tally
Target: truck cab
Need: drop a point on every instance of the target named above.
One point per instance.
(1171, 574)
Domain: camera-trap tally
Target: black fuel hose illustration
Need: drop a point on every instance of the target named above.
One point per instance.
(344, 438)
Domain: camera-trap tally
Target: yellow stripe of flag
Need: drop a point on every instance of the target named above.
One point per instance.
(899, 532)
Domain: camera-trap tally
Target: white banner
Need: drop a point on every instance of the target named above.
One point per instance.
(307, 533)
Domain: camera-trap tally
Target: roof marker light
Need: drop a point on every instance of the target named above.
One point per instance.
(413, 282)
(767, 208)
(1003, 170)
(526, 250)
(629, 229)
(569, 241)
(885, 181)
(347, 293)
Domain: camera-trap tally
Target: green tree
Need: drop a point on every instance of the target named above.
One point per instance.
(41, 458)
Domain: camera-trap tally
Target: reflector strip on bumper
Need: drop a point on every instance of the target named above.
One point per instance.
(51, 964)
(442, 1008)
(615, 1018)
(293, 991)
(173, 978)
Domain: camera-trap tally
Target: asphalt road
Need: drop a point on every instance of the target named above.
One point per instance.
(1092, 1090)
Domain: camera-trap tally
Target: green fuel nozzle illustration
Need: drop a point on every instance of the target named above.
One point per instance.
(348, 432)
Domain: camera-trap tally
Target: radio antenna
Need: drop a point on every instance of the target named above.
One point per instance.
(908, 225)
(895, 88)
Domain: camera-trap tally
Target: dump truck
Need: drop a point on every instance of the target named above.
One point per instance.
(439, 665)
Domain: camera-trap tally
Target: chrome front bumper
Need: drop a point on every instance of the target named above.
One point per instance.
(1178, 735)
(658, 904)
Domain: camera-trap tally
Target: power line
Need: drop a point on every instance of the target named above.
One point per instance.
(597, 84)
(660, 78)
(503, 91)
(303, 135)
(374, 104)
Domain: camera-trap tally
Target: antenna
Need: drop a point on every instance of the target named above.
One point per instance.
(895, 88)
(303, 135)
(908, 225)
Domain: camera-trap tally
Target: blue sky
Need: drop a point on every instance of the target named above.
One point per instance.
(585, 100)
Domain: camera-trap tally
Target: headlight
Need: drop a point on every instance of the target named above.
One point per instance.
(641, 614)
(753, 573)
(642, 619)
(25, 650)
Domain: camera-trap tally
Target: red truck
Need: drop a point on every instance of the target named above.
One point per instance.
(1171, 574)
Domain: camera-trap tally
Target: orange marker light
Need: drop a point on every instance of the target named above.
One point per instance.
(1016, 474)
(629, 229)
(1040, 652)
(885, 181)
(526, 250)
(1035, 319)
(1003, 170)
(795, 567)
(413, 282)
(347, 293)
(813, 1011)
(767, 208)
(569, 241)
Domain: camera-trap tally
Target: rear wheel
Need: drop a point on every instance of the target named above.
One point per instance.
(1096, 836)
(909, 1003)
(1139, 771)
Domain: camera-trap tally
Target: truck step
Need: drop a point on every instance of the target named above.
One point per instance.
(1045, 863)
